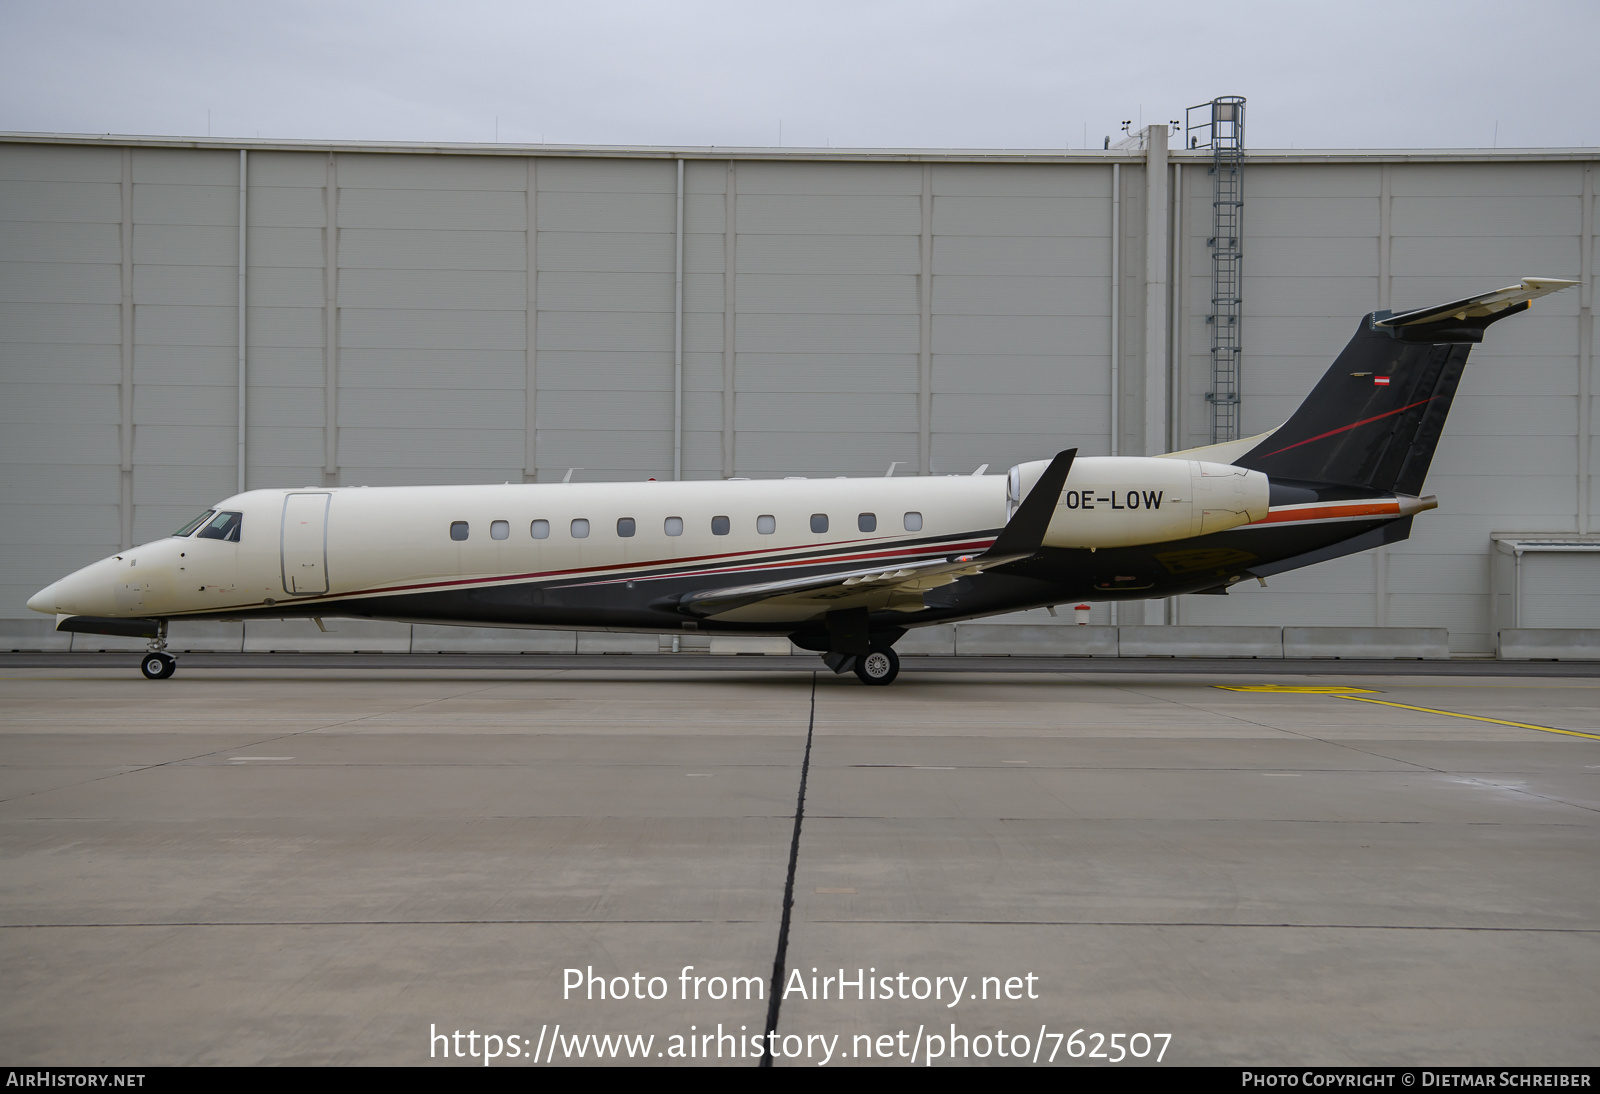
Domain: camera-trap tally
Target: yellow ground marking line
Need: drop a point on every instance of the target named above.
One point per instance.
(1290, 689)
(1473, 717)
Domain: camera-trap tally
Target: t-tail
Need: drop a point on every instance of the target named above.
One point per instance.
(1374, 420)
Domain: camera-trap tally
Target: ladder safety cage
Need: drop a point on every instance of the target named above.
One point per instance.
(1222, 131)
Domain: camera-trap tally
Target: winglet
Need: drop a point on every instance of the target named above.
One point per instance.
(1024, 533)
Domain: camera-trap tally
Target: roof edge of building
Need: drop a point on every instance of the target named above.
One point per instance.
(837, 155)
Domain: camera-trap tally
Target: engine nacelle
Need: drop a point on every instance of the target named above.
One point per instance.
(1123, 501)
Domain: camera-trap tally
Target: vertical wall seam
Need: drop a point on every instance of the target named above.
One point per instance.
(1380, 556)
(330, 335)
(125, 386)
(1156, 257)
(730, 279)
(1585, 515)
(244, 192)
(1116, 318)
(1385, 190)
(1175, 366)
(1175, 371)
(530, 413)
(1116, 293)
(677, 335)
(925, 330)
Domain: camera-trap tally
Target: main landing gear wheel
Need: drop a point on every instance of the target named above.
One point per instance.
(879, 667)
(158, 666)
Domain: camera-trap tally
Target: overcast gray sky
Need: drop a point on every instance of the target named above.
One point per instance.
(865, 73)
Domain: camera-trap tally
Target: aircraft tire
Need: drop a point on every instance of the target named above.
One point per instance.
(878, 668)
(158, 666)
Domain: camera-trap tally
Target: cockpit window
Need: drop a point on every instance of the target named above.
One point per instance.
(223, 526)
(195, 523)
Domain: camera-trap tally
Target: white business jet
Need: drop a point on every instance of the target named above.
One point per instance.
(843, 566)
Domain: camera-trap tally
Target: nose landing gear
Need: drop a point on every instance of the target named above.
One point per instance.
(158, 664)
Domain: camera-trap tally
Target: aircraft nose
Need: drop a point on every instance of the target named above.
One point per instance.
(45, 599)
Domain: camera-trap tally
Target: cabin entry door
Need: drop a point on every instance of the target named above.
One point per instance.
(305, 543)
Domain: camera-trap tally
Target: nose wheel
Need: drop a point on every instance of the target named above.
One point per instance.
(158, 666)
(879, 667)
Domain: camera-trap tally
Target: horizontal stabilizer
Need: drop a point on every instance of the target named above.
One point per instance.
(1463, 317)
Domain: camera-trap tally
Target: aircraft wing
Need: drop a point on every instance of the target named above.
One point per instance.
(796, 600)
(1478, 307)
(898, 588)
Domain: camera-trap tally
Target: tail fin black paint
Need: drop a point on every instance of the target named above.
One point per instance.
(1375, 418)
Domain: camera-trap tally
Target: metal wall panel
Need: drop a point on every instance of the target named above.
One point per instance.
(1031, 217)
(560, 211)
(1021, 256)
(477, 289)
(441, 174)
(60, 202)
(809, 412)
(1561, 590)
(449, 369)
(23, 241)
(430, 328)
(60, 323)
(431, 249)
(1016, 294)
(836, 372)
(60, 283)
(430, 408)
(492, 210)
(760, 253)
(56, 163)
(991, 180)
(284, 206)
(177, 203)
(828, 214)
(833, 294)
(807, 179)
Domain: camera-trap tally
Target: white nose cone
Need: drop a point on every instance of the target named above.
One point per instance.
(45, 599)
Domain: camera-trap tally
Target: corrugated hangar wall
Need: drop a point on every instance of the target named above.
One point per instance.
(491, 314)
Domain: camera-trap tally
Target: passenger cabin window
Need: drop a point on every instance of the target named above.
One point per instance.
(224, 526)
(500, 529)
(539, 529)
(720, 526)
(626, 527)
(867, 522)
(580, 529)
(674, 526)
(458, 530)
(766, 524)
(819, 522)
(913, 522)
(195, 523)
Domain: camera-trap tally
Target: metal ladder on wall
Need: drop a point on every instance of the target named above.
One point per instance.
(1224, 130)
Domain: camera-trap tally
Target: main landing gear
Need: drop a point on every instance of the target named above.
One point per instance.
(158, 664)
(879, 667)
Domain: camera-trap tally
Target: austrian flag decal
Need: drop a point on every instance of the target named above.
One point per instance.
(1381, 381)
